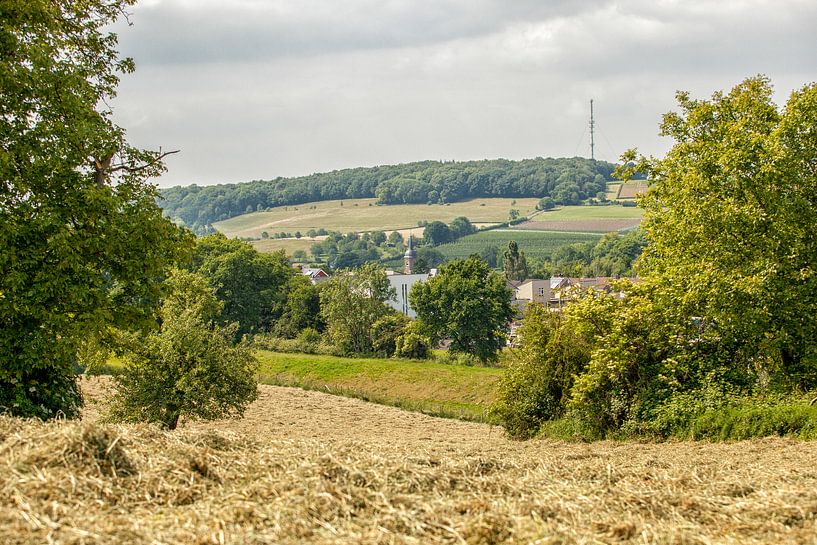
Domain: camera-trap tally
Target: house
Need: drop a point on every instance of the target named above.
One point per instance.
(316, 276)
(556, 291)
(402, 284)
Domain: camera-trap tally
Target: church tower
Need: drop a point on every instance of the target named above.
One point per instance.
(409, 259)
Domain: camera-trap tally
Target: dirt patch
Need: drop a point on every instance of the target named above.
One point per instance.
(306, 467)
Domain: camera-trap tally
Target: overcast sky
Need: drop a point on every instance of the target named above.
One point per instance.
(254, 89)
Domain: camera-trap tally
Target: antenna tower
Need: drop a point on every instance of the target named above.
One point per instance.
(592, 132)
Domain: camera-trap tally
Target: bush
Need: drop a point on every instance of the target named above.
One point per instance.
(309, 336)
(385, 333)
(412, 344)
(554, 349)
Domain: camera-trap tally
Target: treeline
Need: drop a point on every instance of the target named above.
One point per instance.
(565, 180)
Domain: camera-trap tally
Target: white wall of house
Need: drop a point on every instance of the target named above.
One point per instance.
(402, 284)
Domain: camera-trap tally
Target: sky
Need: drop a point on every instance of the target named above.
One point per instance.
(256, 89)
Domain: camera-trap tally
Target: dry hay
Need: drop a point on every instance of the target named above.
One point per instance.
(305, 467)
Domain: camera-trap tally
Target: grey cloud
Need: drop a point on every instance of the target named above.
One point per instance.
(173, 33)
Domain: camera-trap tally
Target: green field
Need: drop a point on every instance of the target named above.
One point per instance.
(537, 244)
(573, 213)
(435, 388)
(358, 215)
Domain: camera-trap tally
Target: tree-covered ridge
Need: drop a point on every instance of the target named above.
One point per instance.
(566, 181)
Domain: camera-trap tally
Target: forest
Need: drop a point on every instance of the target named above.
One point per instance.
(565, 180)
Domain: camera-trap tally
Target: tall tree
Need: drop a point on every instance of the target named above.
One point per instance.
(516, 265)
(730, 216)
(468, 303)
(436, 233)
(83, 245)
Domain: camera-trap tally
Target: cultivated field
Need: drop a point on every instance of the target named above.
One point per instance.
(534, 243)
(630, 190)
(306, 467)
(585, 219)
(358, 215)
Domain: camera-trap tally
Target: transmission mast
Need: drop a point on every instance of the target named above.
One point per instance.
(592, 132)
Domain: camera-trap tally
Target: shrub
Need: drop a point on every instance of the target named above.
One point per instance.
(385, 333)
(412, 344)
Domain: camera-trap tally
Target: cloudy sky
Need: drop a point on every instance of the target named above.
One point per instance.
(254, 89)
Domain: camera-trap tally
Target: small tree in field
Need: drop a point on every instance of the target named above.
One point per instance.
(190, 367)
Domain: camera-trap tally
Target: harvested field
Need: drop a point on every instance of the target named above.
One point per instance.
(630, 190)
(580, 226)
(305, 467)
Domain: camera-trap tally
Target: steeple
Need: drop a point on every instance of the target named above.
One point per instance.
(409, 258)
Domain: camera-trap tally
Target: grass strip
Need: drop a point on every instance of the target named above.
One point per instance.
(448, 391)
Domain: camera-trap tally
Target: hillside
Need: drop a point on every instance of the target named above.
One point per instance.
(307, 467)
(358, 215)
(567, 181)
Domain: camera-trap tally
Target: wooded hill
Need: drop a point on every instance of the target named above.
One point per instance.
(566, 180)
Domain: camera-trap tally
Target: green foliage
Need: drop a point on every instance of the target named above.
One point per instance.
(724, 316)
(412, 344)
(614, 254)
(302, 309)
(252, 285)
(190, 367)
(515, 263)
(555, 348)
(83, 245)
(437, 233)
(385, 333)
(568, 181)
(468, 303)
(546, 203)
(351, 303)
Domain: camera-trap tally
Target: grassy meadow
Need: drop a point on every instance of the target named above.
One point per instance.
(534, 243)
(359, 215)
(425, 386)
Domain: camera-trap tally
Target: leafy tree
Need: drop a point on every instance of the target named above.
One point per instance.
(396, 239)
(412, 343)
(351, 303)
(378, 238)
(251, 284)
(490, 255)
(730, 216)
(302, 308)
(190, 367)
(516, 265)
(468, 303)
(436, 233)
(461, 227)
(386, 331)
(546, 203)
(83, 245)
